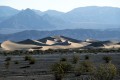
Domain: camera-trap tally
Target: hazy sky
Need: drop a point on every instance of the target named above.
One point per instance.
(60, 5)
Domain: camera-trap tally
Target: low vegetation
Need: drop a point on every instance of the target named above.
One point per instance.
(27, 58)
(86, 67)
(57, 51)
(106, 71)
(16, 62)
(7, 65)
(60, 69)
(8, 59)
(87, 57)
(107, 59)
(63, 59)
(75, 59)
(80, 68)
(30, 59)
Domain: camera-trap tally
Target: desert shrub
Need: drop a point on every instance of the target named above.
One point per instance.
(60, 69)
(106, 72)
(87, 57)
(85, 67)
(23, 67)
(63, 59)
(107, 59)
(32, 61)
(86, 77)
(16, 62)
(8, 59)
(7, 64)
(75, 59)
(27, 57)
(118, 71)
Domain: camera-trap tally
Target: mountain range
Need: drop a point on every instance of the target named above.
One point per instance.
(91, 17)
(80, 34)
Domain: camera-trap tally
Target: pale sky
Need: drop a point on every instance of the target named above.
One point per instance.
(59, 5)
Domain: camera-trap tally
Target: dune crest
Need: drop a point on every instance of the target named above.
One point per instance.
(9, 45)
(57, 42)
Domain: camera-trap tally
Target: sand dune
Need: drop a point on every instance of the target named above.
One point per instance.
(103, 44)
(111, 46)
(70, 46)
(63, 39)
(91, 40)
(57, 42)
(31, 42)
(9, 45)
(44, 40)
(50, 42)
(62, 43)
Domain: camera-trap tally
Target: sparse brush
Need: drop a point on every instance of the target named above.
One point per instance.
(107, 59)
(85, 67)
(106, 72)
(60, 69)
(75, 59)
(16, 62)
(7, 64)
(32, 61)
(63, 59)
(8, 59)
(27, 57)
(87, 57)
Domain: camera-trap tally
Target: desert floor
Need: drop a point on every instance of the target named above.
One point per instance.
(41, 70)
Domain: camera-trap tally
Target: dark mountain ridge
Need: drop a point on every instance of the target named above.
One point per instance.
(80, 34)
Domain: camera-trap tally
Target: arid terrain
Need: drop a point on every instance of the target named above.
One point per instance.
(34, 59)
(41, 69)
(58, 42)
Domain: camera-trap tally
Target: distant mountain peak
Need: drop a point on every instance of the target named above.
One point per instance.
(7, 7)
(27, 11)
(27, 19)
(6, 11)
(53, 13)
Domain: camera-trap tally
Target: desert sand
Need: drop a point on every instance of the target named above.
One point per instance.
(56, 42)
